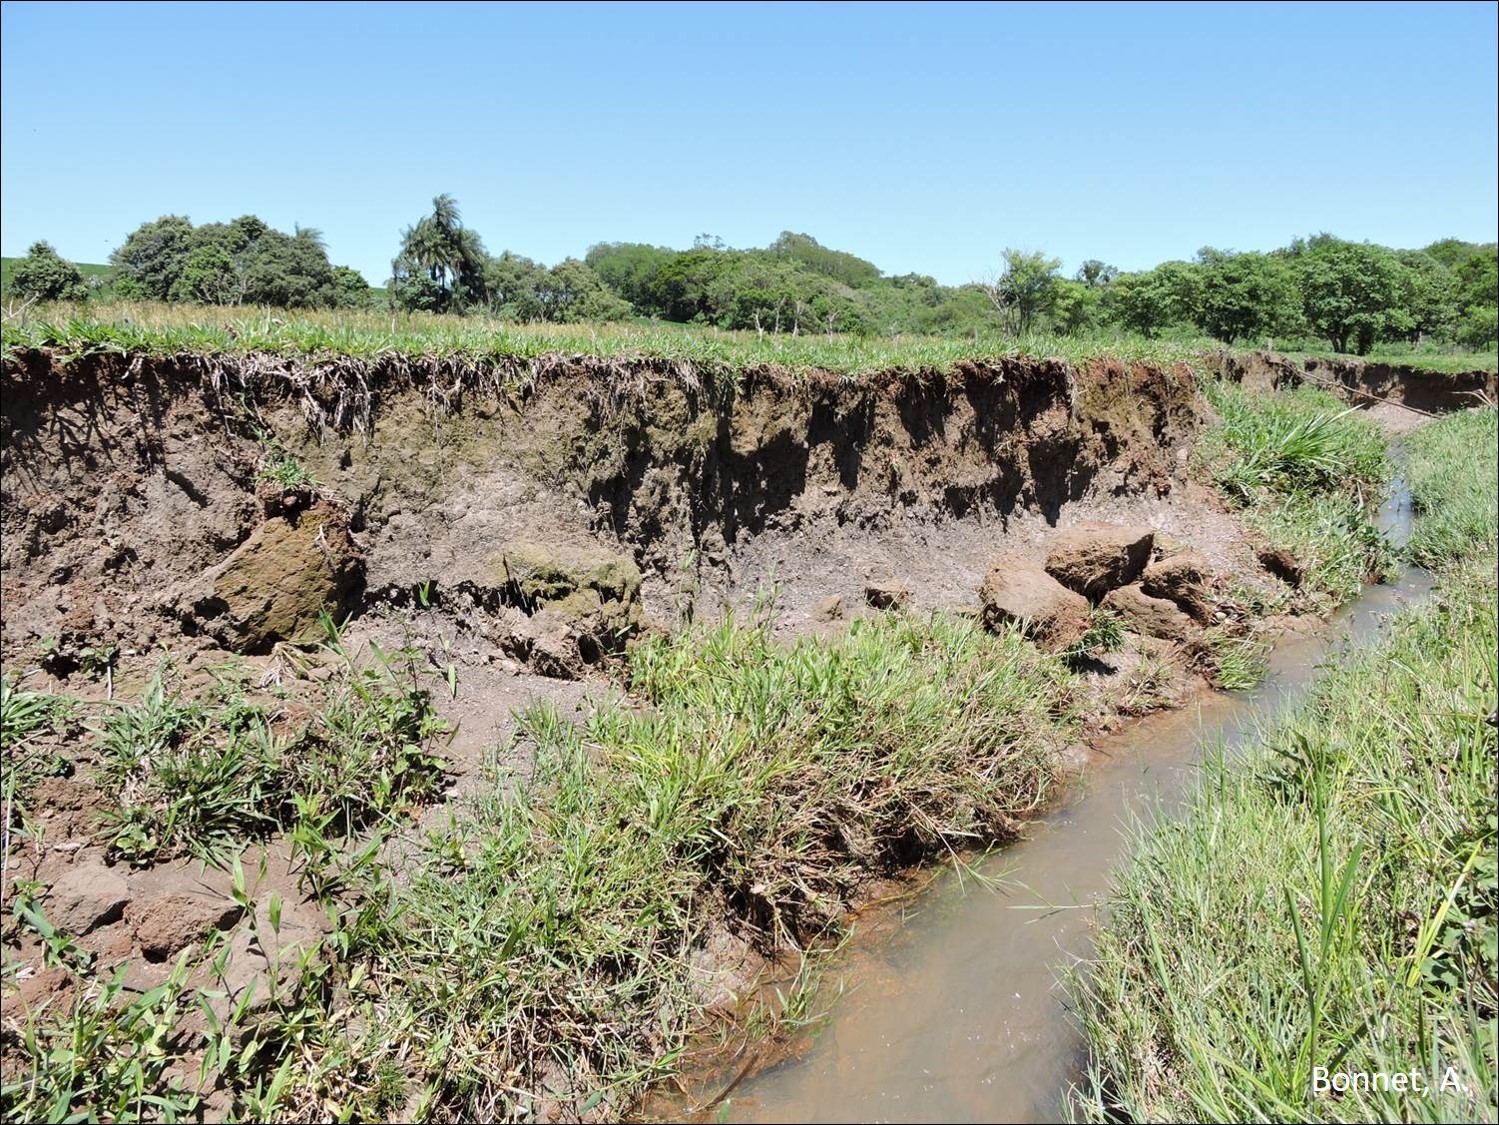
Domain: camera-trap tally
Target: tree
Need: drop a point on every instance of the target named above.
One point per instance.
(629, 269)
(1350, 291)
(1476, 285)
(1024, 290)
(153, 258)
(1095, 274)
(350, 289)
(1075, 306)
(512, 283)
(1151, 300)
(570, 292)
(288, 271)
(1428, 296)
(807, 251)
(47, 276)
(440, 267)
(1244, 296)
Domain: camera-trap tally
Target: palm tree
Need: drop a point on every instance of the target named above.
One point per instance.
(450, 256)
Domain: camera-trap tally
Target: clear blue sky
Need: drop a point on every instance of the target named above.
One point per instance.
(924, 137)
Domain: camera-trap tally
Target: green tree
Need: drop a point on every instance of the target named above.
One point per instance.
(1351, 291)
(288, 271)
(440, 266)
(1150, 301)
(210, 275)
(350, 289)
(1476, 288)
(570, 292)
(47, 276)
(153, 258)
(629, 269)
(807, 251)
(1095, 274)
(1025, 288)
(1428, 296)
(1075, 306)
(1244, 296)
(513, 284)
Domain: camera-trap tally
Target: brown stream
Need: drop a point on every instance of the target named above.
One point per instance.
(953, 1011)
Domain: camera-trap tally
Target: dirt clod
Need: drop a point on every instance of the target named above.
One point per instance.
(87, 897)
(277, 583)
(1181, 578)
(829, 608)
(165, 924)
(1095, 558)
(890, 594)
(1280, 563)
(1155, 617)
(1019, 591)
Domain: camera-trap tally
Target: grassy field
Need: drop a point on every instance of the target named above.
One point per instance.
(1330, 900)
(170, 329)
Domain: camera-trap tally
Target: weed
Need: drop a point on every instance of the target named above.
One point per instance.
(547, 934)
(279, 465)
(1240, 660)
(1452, 467)
(1105, 634)
(204, 776)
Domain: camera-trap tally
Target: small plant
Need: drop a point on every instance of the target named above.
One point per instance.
(280, 467)
(1239, 661)
(1105, 633)
(24, 715)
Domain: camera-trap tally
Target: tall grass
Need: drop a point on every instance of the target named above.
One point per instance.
(163, 329)
(1330, 903)
(1307, 472)
(1332, 900)
(1453, 473)
(541, 956)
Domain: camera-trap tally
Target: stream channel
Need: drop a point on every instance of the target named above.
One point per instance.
(952, 1009)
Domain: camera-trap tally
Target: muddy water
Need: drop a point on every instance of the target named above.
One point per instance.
(957, 1015)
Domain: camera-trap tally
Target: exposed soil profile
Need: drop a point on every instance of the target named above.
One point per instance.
(520, 528)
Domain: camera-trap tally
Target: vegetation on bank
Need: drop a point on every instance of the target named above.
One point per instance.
(1320, 291)
(1307, 473)
(537, 955)
(161, 329)
(1330, 901)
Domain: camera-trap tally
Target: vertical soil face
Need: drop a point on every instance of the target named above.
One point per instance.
(1361, 382)
(130, 483)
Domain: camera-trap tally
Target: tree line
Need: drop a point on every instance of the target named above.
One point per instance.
(1351, 295)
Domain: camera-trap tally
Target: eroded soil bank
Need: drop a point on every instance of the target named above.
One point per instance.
(518, 529)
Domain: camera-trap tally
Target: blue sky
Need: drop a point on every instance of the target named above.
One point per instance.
(923, 137)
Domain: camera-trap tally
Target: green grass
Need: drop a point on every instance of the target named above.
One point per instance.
(1453, 474)
(1450, 362)
(24, 717)
(535, 955)
(172, 329)
(1329, 900)
(548, 936)
(1307, 473)
(204, 775)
